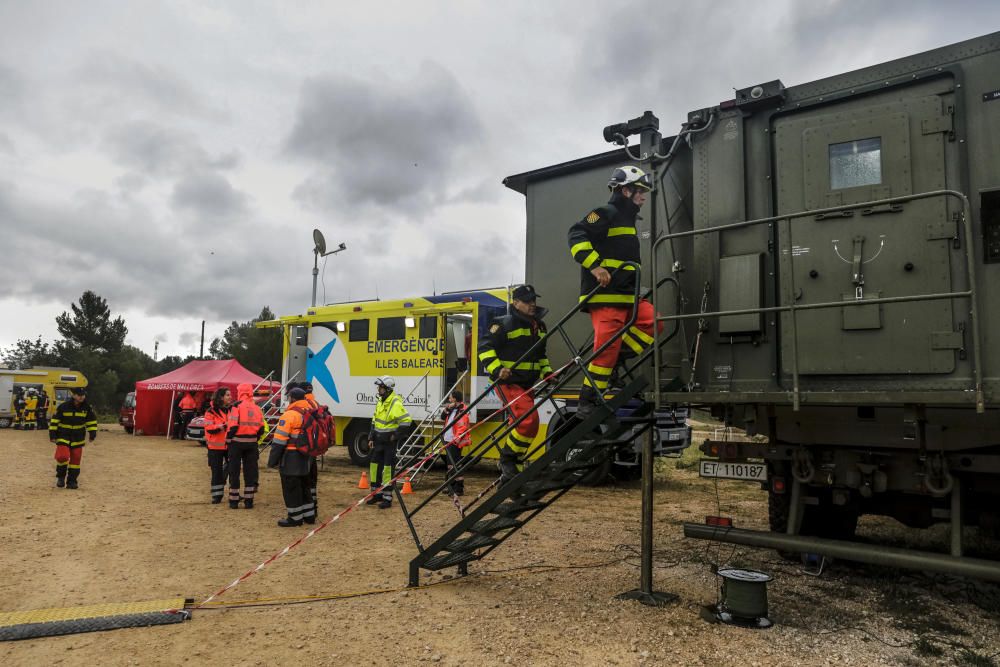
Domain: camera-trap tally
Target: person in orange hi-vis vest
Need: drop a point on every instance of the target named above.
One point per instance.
(292, 463)
(216, 429)
(457, 436)
(187, 407)
(246, 425)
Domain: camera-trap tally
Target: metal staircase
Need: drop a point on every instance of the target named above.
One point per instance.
(570, 454)
(574, 449)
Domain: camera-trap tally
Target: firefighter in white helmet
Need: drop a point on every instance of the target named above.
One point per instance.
(390, 424)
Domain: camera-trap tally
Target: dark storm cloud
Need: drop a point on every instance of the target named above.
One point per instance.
(209, 195)
(131, 256)
(160, 151)
(399, 145)
(151, 85)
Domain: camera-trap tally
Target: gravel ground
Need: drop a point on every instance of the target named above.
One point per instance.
(141, 528)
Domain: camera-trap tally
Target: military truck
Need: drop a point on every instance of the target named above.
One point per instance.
(823, 256)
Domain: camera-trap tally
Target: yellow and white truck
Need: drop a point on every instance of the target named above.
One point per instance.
(427, 344)
(56, 382)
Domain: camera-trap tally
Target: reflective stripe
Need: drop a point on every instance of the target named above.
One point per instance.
(599, 384)
(524, 440)
(590, 260)
(74, 466)
(523, 366)
(515, 445)
(487, 354)
(615, 263)
(621, 231)
(640, 335)
(632, 343)
(582, 245)
(599, 370)
(517, 333)
(620, 299)
(493, 365)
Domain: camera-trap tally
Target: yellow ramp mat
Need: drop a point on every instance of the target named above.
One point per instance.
(90, 618)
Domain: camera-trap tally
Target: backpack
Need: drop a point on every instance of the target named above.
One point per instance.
(319, 431)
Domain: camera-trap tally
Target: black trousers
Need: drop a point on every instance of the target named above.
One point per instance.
(183, 420)
(217, 462)
(243, 455)
(298, 502)
(313, 478)
(383, 460)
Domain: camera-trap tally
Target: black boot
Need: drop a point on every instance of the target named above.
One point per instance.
(248, 503)
(586, 403)
(385, 504)
(508, 465)
(60, 481)
(289, 523)
(72, 484)
(71, 476)
(460, 487)
(234, 504)
(216, 501)
(376, 497)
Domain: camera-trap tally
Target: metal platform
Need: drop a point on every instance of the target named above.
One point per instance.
(71, 620)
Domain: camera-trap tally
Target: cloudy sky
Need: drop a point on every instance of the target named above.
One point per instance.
(175, 156)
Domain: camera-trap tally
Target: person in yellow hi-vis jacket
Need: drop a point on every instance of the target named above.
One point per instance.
(391, 421)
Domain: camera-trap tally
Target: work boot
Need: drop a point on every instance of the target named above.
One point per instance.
(376, 497)
(289, 523)
(507, 466)
(310, 520)
(60, 482)
(586, 403)
(216, 501)
(385, 504)
(72, 484)
(234, 504)
(248, 503)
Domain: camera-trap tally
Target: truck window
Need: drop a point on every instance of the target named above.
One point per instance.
(358, 331)
(391, 328)
(428, 327)
(856, 163)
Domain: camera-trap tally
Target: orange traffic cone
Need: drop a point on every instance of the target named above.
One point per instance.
(363, 482)
(406, 486)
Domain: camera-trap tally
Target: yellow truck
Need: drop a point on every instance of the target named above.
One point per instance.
(55, 382)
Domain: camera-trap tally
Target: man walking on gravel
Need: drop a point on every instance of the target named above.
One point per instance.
(72, 422)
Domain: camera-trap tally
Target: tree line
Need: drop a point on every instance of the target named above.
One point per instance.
(93, 342)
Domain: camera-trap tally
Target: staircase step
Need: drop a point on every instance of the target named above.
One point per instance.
(546, 485)
(449, 559)
(490, 526)
(518, 506)
(472, 543)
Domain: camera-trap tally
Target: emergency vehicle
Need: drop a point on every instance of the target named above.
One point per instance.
(56, 382)
(428, 344)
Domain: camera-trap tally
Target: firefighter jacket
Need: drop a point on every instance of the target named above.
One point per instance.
(285, 453)
(30, 404)
(390, 416)
(216, 426)
(246, 420)
(607, 237)
(71, 423)
(456, 429)
(509, 338)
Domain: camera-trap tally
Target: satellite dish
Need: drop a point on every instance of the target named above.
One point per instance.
(319, 241)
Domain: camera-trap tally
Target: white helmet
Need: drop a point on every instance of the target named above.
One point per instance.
(629, 175)
(386, 381)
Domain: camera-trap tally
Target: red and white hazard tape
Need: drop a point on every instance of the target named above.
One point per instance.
(405, 473)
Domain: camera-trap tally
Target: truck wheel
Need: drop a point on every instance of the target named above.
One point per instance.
(4, 422)
(356, 439)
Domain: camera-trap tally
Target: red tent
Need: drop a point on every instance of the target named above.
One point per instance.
(153, 397)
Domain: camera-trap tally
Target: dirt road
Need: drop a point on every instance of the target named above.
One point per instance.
(141, 528)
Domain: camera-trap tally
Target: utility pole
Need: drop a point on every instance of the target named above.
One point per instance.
(201, 350)
(156, 349)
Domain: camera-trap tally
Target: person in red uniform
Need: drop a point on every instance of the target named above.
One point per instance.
(216, 429)
(510, 337)
(246, 425)
(69, 427)
(603, 241)
(457, 436)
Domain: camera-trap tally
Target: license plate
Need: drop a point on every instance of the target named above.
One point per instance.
(755, 472)
(676, 435)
